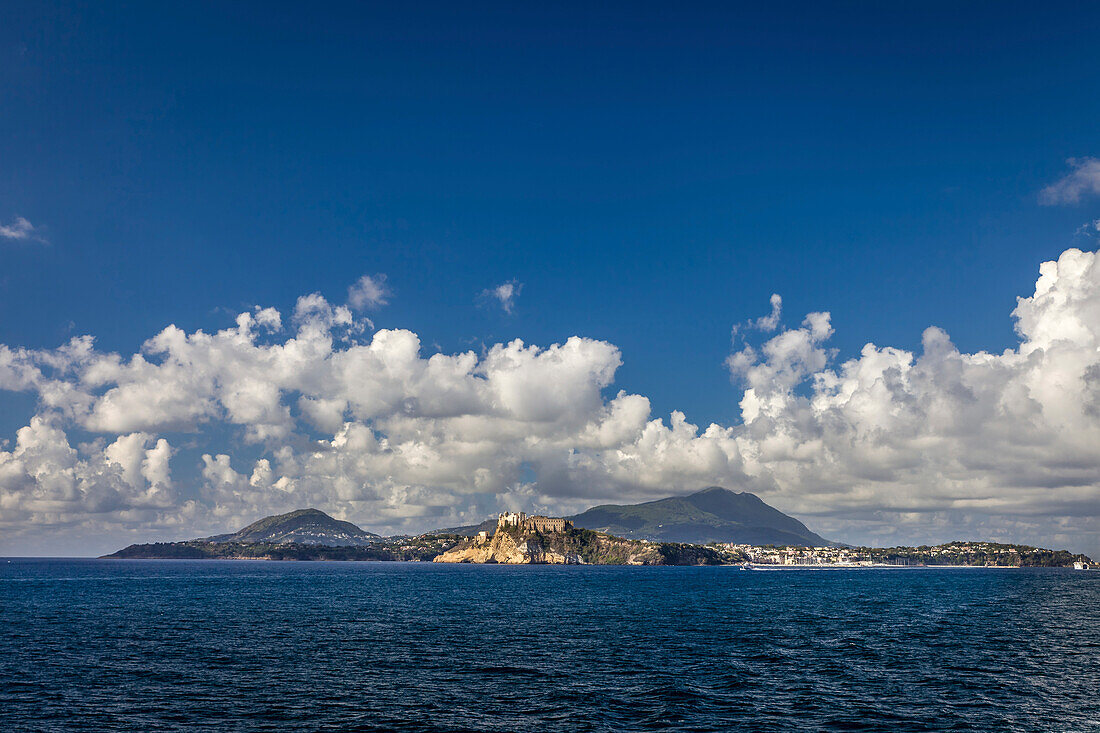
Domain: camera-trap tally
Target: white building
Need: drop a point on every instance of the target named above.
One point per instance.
(511, 519)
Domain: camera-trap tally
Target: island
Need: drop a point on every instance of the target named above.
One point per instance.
(516, 538)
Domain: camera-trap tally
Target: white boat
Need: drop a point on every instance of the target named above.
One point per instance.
(1079, 566)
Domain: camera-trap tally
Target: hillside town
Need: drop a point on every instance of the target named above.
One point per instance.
(982, 554)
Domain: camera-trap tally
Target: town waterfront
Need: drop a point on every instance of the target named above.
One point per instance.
(233, 645)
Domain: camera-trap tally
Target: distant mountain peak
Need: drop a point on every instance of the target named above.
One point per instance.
(304, 526)
(713, 514)
(311, 512)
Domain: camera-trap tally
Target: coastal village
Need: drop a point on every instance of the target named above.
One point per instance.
(980, 554)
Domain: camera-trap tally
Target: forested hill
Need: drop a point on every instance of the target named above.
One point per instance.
(305, 526)
(711, 515)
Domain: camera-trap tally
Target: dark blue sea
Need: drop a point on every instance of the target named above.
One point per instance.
(143, 645)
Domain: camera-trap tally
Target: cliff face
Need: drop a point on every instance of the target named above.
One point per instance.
(518, 547)
(509, 548)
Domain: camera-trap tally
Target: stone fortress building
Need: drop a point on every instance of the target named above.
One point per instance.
(533, 523)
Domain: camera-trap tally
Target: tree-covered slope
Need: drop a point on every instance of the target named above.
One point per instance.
(305, 526)
(711, 515)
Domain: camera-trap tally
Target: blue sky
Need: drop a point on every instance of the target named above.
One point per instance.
(650, 177)
(651, 174)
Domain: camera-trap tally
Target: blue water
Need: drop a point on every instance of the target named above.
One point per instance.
(91, 645)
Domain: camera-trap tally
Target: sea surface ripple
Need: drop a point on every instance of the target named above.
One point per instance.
(141, 645)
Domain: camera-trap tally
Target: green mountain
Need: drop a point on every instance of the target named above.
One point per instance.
(711, 515)
(304, 527)
(489, 526)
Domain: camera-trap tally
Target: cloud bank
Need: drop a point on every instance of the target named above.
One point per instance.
(266, 416)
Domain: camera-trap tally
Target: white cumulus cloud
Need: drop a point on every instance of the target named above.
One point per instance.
(43, 479)
(886, 446)
(939, 441)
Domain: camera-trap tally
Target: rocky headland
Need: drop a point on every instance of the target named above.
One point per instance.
(525, 543)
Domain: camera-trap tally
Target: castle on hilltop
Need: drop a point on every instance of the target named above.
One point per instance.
(533, 523)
